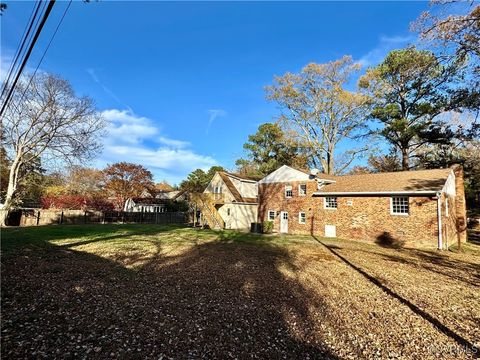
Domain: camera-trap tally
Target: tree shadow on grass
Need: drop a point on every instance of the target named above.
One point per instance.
(213, 300)
(374, 279)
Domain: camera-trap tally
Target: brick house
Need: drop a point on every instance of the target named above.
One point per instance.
(425, 206)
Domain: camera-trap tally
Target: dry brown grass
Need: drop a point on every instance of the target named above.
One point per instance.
(153, 292)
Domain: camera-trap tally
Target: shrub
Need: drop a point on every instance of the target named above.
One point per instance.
(268, 227)
(76, 202)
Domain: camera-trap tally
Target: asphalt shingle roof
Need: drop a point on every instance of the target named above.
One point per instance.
(420, 180)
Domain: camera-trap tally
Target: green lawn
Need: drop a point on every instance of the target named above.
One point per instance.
(150, 291)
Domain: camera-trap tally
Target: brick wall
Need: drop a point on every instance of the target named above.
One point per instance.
(363, 218)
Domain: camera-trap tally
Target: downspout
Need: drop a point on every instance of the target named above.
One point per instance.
(439, 220)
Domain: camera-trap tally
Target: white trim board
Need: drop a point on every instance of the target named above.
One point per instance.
(382, 193)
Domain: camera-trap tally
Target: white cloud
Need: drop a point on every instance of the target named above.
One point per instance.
(385, 45)
(178, 144)
(137, 139)
(125, 127)
(107, 90)
(214, 114)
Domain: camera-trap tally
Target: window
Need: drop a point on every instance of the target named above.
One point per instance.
(399, 205)
(217, 190)
(271, 215)
(288, 191)
(302, 219)
(228, 212)
(302, 189)
(446, 206)
(330, 203)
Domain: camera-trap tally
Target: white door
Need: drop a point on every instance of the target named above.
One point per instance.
(284, 222)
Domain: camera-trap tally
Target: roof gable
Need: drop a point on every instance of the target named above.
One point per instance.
(285, 174)
(229, 184)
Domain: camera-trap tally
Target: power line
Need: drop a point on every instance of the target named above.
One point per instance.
(23, 40)
(27, 55)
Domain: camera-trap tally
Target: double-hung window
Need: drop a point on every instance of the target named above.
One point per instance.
(399, 205)
(330, 202)
(271, 215)
(288, 191)
(302, 189)
(302, 218)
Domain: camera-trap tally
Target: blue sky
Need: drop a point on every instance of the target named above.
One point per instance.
(182, 84)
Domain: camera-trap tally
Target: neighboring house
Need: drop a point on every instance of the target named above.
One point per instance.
(174, 195)
(425, 206)
(234, 198)
(145, 205)
(159, 203)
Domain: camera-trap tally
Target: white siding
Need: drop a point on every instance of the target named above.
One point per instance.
(241, 215)
(449, 187)
(245, 188)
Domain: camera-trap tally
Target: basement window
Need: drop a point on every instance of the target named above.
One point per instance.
(271, 215)
(302, 219)
(288, 191)
(330, 203)
(399, 205)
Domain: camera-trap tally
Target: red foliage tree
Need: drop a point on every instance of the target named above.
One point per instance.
(124, 180)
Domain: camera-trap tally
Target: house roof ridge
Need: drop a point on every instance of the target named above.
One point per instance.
(395, 172)
(238, 176)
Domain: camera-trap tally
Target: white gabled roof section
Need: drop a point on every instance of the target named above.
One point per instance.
(449, 187)
(285, 174)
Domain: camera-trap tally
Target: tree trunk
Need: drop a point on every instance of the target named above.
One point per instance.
(405, 160)
(330, 160)
(11, 188)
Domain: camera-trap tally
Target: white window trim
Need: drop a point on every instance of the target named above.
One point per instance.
(300, 218)
(325, 203)
(299, 192)
(268, 215)
(291, 189)
(399, 214)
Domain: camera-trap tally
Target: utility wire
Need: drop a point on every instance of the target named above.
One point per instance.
(27, 55)
(23, 40)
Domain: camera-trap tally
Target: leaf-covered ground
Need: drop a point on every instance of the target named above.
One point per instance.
(139, 291)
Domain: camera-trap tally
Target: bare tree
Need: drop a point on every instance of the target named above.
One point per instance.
(45, 120)
(321, 112)
(454, 26)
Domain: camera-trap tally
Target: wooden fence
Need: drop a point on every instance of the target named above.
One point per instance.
(35, 217)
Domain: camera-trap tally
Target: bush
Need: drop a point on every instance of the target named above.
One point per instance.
(268, 227)
(76, 202)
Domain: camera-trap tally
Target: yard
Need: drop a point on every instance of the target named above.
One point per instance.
(150, 291)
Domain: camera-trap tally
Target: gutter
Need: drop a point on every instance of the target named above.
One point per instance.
(370, 193)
